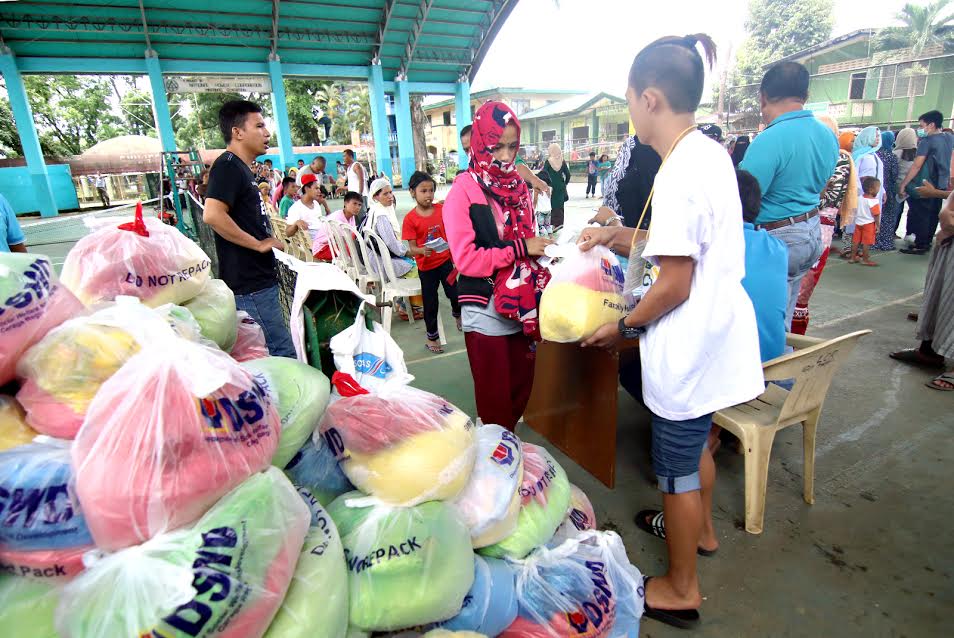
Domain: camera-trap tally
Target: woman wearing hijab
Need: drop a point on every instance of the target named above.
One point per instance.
(557, 174)
(905, 149)
(890, 210)
(383, 220)
(489, 220)
(864, 152)
(839, 199)
(738, 151)
(628, 185)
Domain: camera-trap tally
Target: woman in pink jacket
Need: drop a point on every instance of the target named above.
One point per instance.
(490, 227)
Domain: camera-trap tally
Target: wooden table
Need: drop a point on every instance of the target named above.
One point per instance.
(574, 400)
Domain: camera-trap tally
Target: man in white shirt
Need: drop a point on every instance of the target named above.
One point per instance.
(316, 168)
(306, 214)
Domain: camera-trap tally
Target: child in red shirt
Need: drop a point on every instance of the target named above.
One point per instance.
(423, 229)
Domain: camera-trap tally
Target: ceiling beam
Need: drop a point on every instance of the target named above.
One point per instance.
(274, 53)
(497, 15)
(423, 8)
(383, 29)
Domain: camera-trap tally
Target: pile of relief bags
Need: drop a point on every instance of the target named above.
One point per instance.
(162, 476)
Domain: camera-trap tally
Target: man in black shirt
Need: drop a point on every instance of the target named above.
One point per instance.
(235, 210)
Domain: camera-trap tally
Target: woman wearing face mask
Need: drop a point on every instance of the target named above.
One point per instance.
(905, 149)
(489, 220)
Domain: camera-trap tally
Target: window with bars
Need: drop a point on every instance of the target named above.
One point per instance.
(520, 106)
(548, 136)
(447, 118)
(902, 80)
(856, 88)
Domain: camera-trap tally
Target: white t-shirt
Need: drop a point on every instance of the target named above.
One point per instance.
(868, 207)
(355, 183)
(703, 355)
(311, 216)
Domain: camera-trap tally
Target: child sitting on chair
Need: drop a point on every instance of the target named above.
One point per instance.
(867, 221)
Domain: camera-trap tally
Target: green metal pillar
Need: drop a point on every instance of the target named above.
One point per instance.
(405, 133)
(26, 128)
(160, 106)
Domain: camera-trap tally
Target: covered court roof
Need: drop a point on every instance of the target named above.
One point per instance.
(419, 40)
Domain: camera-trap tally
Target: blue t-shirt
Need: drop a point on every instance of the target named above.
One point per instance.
(937, 150)
(10, 232)
(766, 282)
(792, 159)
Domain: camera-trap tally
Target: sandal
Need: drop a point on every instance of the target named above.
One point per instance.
(869, 263)
(917, 358)
(943, 382)
(656, 526)
(912, 316)
(680, 618)
(434, 349)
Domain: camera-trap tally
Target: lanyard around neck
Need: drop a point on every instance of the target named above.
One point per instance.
(652, 190)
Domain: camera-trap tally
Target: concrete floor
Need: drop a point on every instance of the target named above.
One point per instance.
(873, 556)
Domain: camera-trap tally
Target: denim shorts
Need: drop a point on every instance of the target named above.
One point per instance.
(677, 447)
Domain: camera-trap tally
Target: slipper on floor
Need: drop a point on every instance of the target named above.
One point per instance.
(916, 358)
(913, 316)
(680, 618)
(656, 526)
(434, 349)
(947, 377)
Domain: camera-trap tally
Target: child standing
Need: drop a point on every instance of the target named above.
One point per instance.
(592, 174)
(867, 220)
(423, 224)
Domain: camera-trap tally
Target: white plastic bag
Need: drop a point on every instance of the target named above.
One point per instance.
(249, 339)
(372, 357)
(32, 302)
(407, 566)
(579, 518)
(178, 426)
(585, 293)
(585, 587)
(490, 503)
(143, 258)
(400, 444)
(214, 310)
(62, 373)
(225, 576)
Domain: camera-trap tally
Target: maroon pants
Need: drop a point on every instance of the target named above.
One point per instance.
(502, 368)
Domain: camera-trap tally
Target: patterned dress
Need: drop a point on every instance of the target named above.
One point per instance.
(891, 208)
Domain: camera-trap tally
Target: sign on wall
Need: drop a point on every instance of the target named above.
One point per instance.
(217, 84)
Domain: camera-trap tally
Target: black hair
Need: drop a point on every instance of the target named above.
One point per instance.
(286, 181)
(785, 80)
(351, 196)
(674, 66)
(300, 160)
(348, 152)
(933, 117)
(269, 162)
(466, 130)
(869, 181)
(592, 153)
(751, 195)
(233, 115)
(418, 178)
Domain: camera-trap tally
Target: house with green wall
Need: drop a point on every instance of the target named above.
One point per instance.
(593, 121)
(860, 85)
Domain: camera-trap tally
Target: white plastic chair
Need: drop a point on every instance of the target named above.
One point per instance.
(339, 250)
(392, 287)
(349, 238)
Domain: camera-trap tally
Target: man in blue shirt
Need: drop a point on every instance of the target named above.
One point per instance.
(766, 271)
(11, 237)
(793, 159)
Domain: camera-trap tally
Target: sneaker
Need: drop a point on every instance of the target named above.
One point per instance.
(909, 238)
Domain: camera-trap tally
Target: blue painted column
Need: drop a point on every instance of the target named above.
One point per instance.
(402, 115)
(379, 120)
(26, 128)
(286, 154)
(462, 113)
(160, 106)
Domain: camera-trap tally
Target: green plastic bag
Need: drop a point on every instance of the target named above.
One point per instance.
(214, 309)
(316, 605)
(27, 606)
(225, 576)
(300, 394)
(545, 495)
(407, 566)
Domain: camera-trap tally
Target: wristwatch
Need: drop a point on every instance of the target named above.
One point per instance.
(630, 333)
(612, 219)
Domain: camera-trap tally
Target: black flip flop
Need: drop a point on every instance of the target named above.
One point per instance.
(679, 618)
(657, 527)
(914, 357)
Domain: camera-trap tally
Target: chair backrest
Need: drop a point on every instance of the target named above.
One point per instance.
(347, 236)
(366, 256)
(342, 256)
(812, 370)
(384, 256)
(278, 227)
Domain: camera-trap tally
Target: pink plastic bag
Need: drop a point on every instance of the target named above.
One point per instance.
(250, 342)
(144, 258)
(178, 426)
(32, 302)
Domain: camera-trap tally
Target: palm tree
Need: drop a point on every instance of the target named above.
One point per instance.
(329, 97)
(921, 27)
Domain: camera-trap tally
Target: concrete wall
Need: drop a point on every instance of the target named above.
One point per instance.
(17, 186)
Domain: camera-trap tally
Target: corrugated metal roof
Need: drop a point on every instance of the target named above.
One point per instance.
(503, 90)
(430, 40)
(570, 105)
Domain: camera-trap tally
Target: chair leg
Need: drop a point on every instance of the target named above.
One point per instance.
(410, 310)
(809, 428)
(440, 328)
(386, 312)
(758, 451)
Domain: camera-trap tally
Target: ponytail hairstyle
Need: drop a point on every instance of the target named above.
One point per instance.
(673, 65)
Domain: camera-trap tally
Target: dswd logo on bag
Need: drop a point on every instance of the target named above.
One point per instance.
(594, 613)
(505, 452)
(372, 365)
(612, 271)
(224, 416)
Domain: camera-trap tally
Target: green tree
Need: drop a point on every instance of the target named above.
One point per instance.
(776, 28)
(136, 112)
(195, 116)
(921, 27)
(9, 139)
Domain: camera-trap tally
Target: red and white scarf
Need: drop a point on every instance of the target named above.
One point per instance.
(517, 289)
